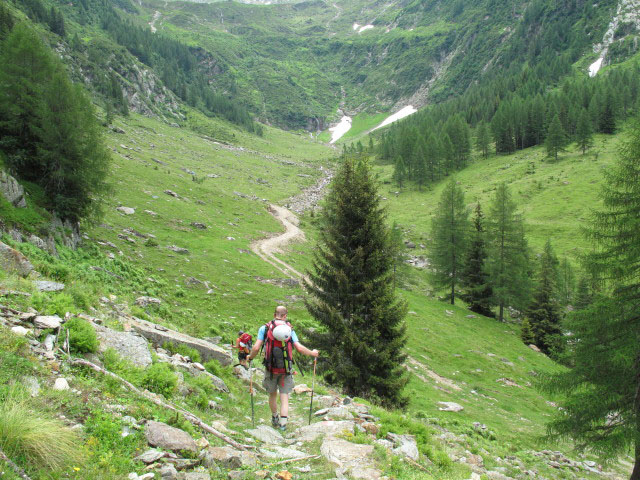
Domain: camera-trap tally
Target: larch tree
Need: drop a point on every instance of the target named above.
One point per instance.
(450, 233)
(508, 259)
(601, 410)
(351, 291)
(483, 139)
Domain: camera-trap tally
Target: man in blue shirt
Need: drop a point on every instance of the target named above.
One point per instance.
(280, 382)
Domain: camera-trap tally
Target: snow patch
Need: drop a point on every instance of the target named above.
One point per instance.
(365, 28)
(405, 112)
(595, 67)
(356, 26)
(340, 129)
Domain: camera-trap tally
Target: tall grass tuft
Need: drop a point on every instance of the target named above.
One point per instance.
(29, 438)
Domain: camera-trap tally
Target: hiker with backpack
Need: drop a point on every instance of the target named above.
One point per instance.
(243, 345)
(279, 339)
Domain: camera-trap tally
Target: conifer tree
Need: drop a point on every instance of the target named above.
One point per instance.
(421, 175)
(477, 291)
(556, 138)
(543, 314)
(583, 294)
(450, 232)
(351, 291)
(507, 261)
(584, 132)
(607, 117)
(483, 139)
(399, 171)
(602, 407)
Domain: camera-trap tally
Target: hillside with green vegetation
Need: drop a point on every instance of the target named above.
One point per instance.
(151, 207)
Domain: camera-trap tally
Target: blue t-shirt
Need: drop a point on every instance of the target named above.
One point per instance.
(262, 334)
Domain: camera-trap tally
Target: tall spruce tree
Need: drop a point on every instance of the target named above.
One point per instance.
(351, 291)
(399, 171)
(475, 281)
(566, 282)
(556, 138)
(602, 407)
(584, 132)
(450, 233)
(543, 315)
(508, 260)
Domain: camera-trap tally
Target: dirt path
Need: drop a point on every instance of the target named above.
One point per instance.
(152, 23)
(268, 247)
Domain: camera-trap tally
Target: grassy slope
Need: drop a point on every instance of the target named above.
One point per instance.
(453, 346)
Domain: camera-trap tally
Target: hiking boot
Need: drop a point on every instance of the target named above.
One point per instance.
(275, 421)
(282, 428)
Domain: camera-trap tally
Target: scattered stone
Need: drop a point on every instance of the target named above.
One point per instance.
(146, 301)
(172, 193)
(126, 210)
(180, 250)
(409, 244)
(49, 342)
(44, 322)
(284, 475)
(311, 432)
(448, 312)
(351, 458)
(321, 412)
(282, 453)
(450, 407)
(339, 413)
(202, 443)
(20, 331)
(535, 348)
(300, 389)
(198, 225)
(14, 261)
(405, 445)
(508, 382)
(228, 457)
(129, 345)
(61, 384)
(151, 212)
(470, 316)
(161, 435)
(168, 472)
(266, 434)
(150, 456)
(46, 286)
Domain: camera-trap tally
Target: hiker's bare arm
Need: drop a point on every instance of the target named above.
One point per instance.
(304, 350)
(255, 350)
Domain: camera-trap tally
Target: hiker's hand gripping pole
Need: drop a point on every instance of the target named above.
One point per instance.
(313, 387)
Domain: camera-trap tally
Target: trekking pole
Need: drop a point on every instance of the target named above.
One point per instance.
(253, 416)
(313, 387)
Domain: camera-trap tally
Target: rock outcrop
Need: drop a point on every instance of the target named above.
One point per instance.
(12, 190)
(158, 335)
(13, 261)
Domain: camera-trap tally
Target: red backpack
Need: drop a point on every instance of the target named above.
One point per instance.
(278, 357)
(246, 339)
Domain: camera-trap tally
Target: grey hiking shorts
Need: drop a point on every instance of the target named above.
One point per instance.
(282, 382)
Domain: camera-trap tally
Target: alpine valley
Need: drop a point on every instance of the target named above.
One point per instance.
(443, 193)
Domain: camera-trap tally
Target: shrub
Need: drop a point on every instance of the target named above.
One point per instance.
(213, 367)
(160, 379)
(30, 438)
(82, 336)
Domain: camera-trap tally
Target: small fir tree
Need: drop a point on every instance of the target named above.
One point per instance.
(584, 132)
(399, 171)
(566, 282)
(544, 314)
(351, 291)
(450, 232)
(475, 281)
(556, 138)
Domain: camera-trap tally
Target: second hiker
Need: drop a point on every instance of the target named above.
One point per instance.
(279, 340)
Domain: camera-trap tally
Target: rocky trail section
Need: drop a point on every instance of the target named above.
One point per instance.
(339, 443)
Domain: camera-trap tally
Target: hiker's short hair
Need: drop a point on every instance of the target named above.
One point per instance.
(280, 312)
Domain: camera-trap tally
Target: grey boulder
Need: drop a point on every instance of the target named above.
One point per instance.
(161, 435)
